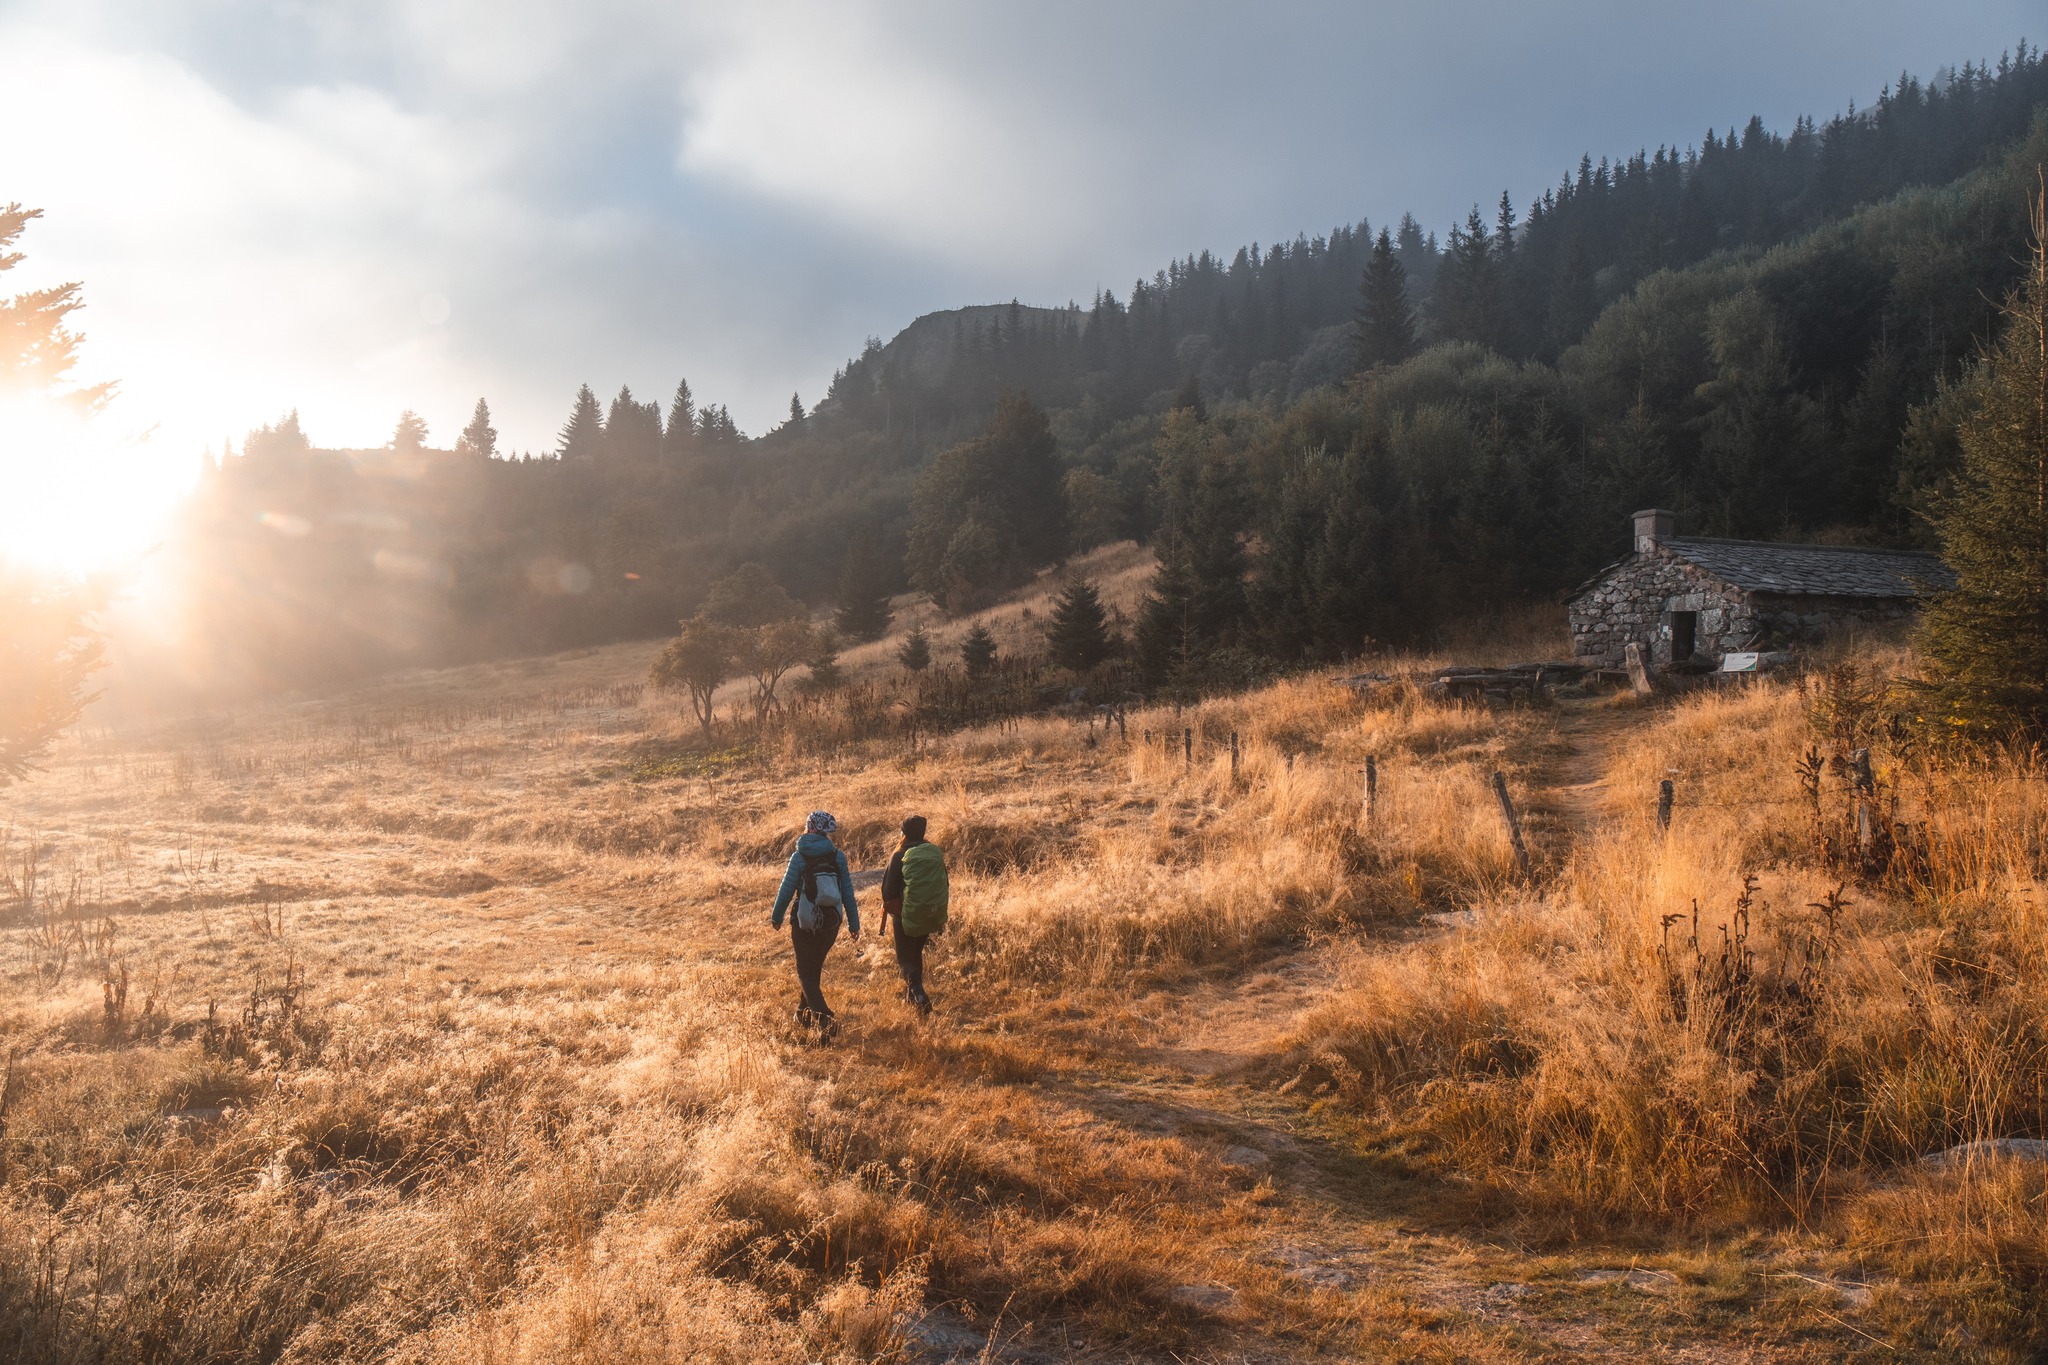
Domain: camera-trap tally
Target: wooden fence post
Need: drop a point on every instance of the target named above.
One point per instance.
(1664, 804)
(1187, 748)
(1122, 735)
(1372, 787)
(1507, 812)
(1233, 756)
(1860, 777)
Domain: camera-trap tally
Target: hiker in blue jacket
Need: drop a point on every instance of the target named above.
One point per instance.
(816, 889)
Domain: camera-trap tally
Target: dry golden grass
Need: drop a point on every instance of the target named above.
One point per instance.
(1650, 1041)
(409, 1024)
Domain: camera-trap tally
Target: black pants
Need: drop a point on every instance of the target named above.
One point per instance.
(910, 961)
(811, 947)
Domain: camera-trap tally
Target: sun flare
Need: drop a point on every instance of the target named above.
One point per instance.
(77, 493)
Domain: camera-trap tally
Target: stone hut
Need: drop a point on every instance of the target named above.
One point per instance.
(1687, 600)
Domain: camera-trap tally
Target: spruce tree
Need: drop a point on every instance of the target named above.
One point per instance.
(1504, 230)
(1197, 603)
(479, 440)
(1469, 286)
(411, 432)
(1023, 461)
(1385, 330)
(862, 611)
(978, 652)
(986, 513)
(796, 410)
(1168, 644)
(1078, 637)
(632, 430)
(680, 436)
(825, 674)
(1987, 639)
(583, 434)
(1190, 397)
(915, 653)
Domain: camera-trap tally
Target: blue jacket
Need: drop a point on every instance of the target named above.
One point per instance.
(810, 846)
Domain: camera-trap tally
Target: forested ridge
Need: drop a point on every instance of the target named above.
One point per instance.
(1344, 438)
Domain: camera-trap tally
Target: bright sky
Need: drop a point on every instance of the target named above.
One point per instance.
(356, 208)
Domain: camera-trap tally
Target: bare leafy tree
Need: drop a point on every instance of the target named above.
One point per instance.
(767, 652)
(696, 662)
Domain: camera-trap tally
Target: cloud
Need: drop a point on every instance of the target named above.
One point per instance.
(833, 112)
(242, 263)
(269, 204)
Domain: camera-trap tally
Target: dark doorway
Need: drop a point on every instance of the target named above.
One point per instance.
(1684, 634)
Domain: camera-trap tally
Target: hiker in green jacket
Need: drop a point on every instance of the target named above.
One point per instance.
(914, 896)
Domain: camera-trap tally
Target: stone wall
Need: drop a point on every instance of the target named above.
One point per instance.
(1634, 600)
(1631, 602)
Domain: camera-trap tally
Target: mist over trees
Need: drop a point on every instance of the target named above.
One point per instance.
(1332, 441)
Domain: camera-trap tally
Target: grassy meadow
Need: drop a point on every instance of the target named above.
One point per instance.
(439, 1019)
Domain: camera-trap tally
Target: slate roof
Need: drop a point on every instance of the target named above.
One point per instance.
(1813, 570)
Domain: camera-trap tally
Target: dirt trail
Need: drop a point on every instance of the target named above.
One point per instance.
(1341, 1218)
(1578, 791)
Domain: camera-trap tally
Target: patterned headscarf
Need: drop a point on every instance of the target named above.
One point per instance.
(821, 822)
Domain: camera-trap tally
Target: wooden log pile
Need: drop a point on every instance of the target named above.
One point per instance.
(1525, 681)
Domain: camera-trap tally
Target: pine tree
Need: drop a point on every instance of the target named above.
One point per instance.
(411, 432)
(1077, 637)
(1166, 644)
(825, 674)
(1469, 286)
(632, 430)
(987, 513)
(862, 611)
(1504, 230)
(582, 436)
(285, 441)
(1190, 397)
(1197, 604)
(978, 652)
(796, 410)
(715, 426)
(680, 436)
(1987, 639)
(915, 653)
(479, 440)
(1023, 459)
(1385, 330)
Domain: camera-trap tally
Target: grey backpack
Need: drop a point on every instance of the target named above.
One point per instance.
(819, 899)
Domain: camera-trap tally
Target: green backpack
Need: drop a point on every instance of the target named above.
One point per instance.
(924, 889)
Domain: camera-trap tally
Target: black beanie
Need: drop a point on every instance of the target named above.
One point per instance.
(913, 828)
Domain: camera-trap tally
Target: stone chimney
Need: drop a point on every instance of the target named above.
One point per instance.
(1652, 525)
